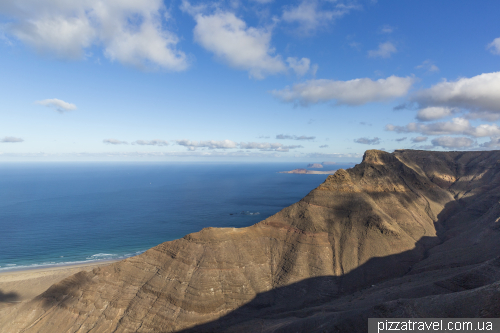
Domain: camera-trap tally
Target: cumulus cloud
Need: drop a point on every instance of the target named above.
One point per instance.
(493, 143)
(453, 142)
(57, 104)
(114, 142)
(294, 137)
(401, 139)
(479, 95)
(352, 92)
(156, 142)
(210, 144)
(385, 50)
(494, 46)
(11, 139)
(228, 144)
(131, 32)
(434, 112)
(242, 47)
(323, 146)
(300, 67)
(428, 66)
(366, 141)
(455, 126)
(265, 146)
(309, 16)
(419, 139)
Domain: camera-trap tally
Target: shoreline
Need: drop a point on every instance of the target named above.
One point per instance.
(56, 266)
(22, 285)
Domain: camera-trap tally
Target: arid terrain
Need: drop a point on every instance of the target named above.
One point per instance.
(407, 234)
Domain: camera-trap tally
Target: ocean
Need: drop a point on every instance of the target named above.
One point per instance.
(63, 213)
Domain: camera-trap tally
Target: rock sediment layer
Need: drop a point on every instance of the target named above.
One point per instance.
(407, 234)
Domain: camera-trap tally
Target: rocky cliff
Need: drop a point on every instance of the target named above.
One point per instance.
(407, 234)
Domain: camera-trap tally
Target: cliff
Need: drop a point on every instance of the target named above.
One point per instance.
(407, 234)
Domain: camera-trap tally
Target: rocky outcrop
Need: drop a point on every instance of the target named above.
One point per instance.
(407, 234)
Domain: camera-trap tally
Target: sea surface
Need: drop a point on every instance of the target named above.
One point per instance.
(62, 213)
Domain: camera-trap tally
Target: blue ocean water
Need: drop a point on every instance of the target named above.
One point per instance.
(60, 213)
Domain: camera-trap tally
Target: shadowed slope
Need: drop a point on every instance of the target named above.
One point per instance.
(362, 226)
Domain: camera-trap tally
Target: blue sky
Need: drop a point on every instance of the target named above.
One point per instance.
(249, 81)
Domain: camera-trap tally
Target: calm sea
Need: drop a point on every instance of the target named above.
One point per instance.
(60, 213)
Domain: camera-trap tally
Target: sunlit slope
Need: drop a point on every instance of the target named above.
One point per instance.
(390, 217)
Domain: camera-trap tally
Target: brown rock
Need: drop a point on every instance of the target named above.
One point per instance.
(408, 234)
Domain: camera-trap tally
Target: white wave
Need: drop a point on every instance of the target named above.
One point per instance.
(249, 213)
(99, 257)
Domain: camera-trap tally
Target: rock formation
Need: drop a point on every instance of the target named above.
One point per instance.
(407, 234)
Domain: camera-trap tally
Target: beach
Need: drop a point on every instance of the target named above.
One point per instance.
(23, 285)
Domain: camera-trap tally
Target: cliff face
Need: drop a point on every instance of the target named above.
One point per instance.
(380, 239)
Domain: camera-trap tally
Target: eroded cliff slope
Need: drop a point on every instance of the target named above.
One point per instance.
(380, 239)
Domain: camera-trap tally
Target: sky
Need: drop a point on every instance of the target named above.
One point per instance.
(246, 81)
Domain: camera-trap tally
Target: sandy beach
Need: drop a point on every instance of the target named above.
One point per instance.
(23, 285)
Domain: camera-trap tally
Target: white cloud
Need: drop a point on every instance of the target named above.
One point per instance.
(401, 139)
(142, 155)
(453, 142)
(310, 17)
(265, 146)
(494, 46)
(211, 144)
(493, 143)
(479, 94)
(352, 92)
(60, 105)
(130, 32)
(387, 29)
(428, 66)
(366, 141)
(419, 139)
(11, 139)
(114, 142)
(228, 144)
(294, 137)
(260, 145)
(240, 46)
(334, 155)
(323, 146)
(455, 126)
(67, 37)
(434, 112)
(300, 67)
(156, 142)
(385, 50)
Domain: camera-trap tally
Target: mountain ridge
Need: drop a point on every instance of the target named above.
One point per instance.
(431, 215)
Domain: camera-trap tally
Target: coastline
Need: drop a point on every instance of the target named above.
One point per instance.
(22, 285)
